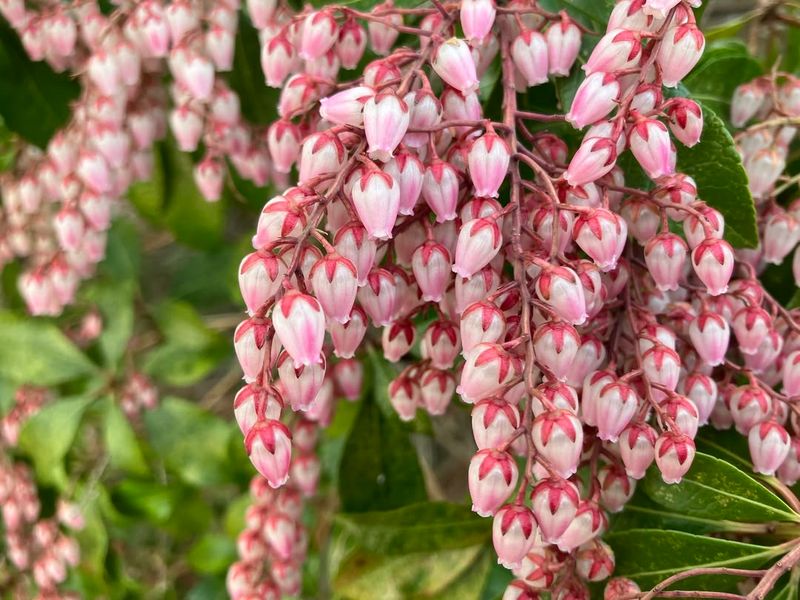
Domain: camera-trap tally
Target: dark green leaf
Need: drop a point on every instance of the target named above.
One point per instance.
(34, 101)
(35, 351)
(379, 469)
(721, 180)
(48, 435)
(123, 257)
(121, 442)
(192, 442)
(590, 12)
(171, 199)
(717, 490)
(208, 588)
(425, 527)
(258, 102)
(724, 66)
(147, 499)
(649, 556)
(212, 553)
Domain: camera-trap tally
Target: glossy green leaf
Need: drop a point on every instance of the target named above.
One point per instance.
(717, 490)
(48, 435)
(35, 351)
(649, 556)
(34, 101)
(721, 180)
(428, 526)
(192, 442)
(171, 199)
(379, 469)
(590, 12)
(212, 553)
(121, 442)
(724, 66)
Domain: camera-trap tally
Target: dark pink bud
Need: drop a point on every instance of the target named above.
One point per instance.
(595, 561)
(685, 121)
(269, 446)
(440, 344)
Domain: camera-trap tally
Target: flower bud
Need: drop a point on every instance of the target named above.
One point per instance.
(397, 339)
(680, 49)
(651, 145)
(277, 60)
(440, 189)
(713, 262)
(376, 197)
(602, 235)
(477, 18)
(588, 523)
(563, 44)
(529, 52)
(494, 423)
(617, 50)
(488, 160)
(596, 97)
(558, 437)
(789, 471)
(436, 389)
(479, 241)
(378, 297)
(300, 326)
(407, 171)
(484, 322)
(250, 343)
(352, 43)
(595, 157)
(615, 406)
(674, 455)
(556, 343)
(320, 32)
(487, 369)
(769, 446)
(555, 504)
(347, 337)
(561, 288)
(492, 477)
(440, 344)
(269, 446)
(322, 154)
(637, 448)
(513, 534)
(665, 256)
(685, 121)
(431, 266)
(453, 62)
(386, 120)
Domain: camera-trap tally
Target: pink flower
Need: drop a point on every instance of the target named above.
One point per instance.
(479, 241)
(685, 121)
(352, 43)
(769, 446)
(300, 326)
(404, 396)
(352, 241)
(680, 49)
(440, 344)
(615, 406)
(254, 403)
(477, 18)
(283, 141)
(379, 297)
(674, 455)
(437, 388)
(662, 365)
(555, 504)
(617, 50)
(397, 339)
(602, 235)
(637, 448)
(563, 44)
(556, 343)
(492, 477)
(665, 256)
(746, 102)
(269, 446)
(596, 97)
(558, 437)
(440, 189)
(260, 277)
(386, 119)
(347, 337)
(334, 280)
(713, 263)
(513, 534)
(376, 197)
(277, 59)
(487, 368)
(494, 422)
(588, 523)
(481, 322)
(431, 265)
(651, 145)
(320, 32)
(382, 36)
(561, 288)
(791, 374)
(346, 107)
(250, 343)
(426, 112)
(209, 177)
(529, 52)
(488, 160)
(279, 218)
(595, 157)
(452, 61)
(408, 171)
(710, 334)
(322, 155)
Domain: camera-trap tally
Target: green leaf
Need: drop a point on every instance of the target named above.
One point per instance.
(721, 180)
(115, 302)
(366, 576)
(123, 254)
(35, 351)
(192, 442)
(170, 199)
(379, 469)
(233, 521)
(212, 553)
(589, 12)
(147, 499)
(48, 435)
(649, 556)
(724, 66)
(34, 101)
(428, 527)
(121, 442)
(258, 102)
(717, 490)
(93, 538)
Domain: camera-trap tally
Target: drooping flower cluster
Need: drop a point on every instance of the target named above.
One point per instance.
(272, 547)
(58, 203)
(40, 551)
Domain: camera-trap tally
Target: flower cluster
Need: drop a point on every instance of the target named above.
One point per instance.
(272, 547)
(40, 550)
(58, 203)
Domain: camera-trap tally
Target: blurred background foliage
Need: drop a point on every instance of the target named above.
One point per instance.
(165, 494)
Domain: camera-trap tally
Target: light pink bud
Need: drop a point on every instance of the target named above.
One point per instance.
(209, 177)
(763, 169)
(558, 437)
(615, 406)
(69, 227)
(347, 337)
(352, 43)
(494, 423)
(555, 504)
(352, 242)
(602, 235)
(283, 140)
(335, 283)
(662, 365)
(484, 322)
(320, 32)
(513, 534)
(563, 44)
(617, 50)
(665, 256)
(487, 369)
(791, 374)
(556, 343)
(674, 455)
(277, 59)
(492, 477)
(397, 339)
(680, 49)
(297, 93)
(404, 396)
(322, 155)
(781, 234)
(269, 446)
(746, 102)
(488, 160)
(440, 190)
(436, 389)
(279, 218)
(407, 171)
(300, 326)
(710, 334)
(479, 241)
(685, 121)
(693, 226)
(187, 127)
(561, 288)
(477, 18)
(751, 325)
(767, 353)
(93, 171)
(684, 413)
(254, 403)
(713, 262)
(769, 446)
(529, 52)
(386, 120)
(453, 62)
(440, 344)
(789, 471)
(260, 278)
(651, 145)
(702, 390)
(596, 97)
(376, 197)
(250, 342)
(346, 107)
(431, 265)
(595, 157)
(749, 405)
(588, 523)
(637, 448)
(305, 472)
(378, 297)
